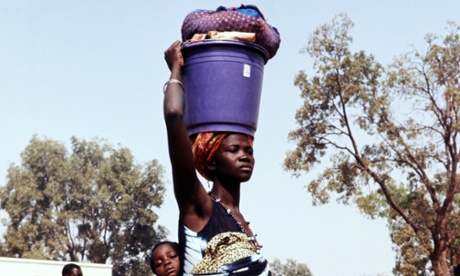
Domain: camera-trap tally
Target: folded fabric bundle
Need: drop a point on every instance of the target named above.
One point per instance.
(240, 36)
(245, 18)
(231, 253)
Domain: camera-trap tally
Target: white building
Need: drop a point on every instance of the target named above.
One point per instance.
(30, 267)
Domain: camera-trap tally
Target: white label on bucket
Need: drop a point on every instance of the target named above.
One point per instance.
(247, 70)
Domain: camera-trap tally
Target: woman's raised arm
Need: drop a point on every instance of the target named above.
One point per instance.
(189, 192)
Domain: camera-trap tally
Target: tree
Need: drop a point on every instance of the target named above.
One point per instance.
(94, 205)
(391, 138)
(290, 268)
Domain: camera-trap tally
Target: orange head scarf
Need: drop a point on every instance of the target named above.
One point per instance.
(204, 147)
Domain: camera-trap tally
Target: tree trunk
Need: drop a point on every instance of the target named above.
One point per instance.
(439, 262)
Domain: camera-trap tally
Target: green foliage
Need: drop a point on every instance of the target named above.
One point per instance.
(290, 268)
(93, 205)
(391, 138)
(413, 250)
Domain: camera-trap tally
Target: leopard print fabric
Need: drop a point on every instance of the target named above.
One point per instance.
(223, 249)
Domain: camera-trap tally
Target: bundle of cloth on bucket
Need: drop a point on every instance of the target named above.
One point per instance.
(245, 23)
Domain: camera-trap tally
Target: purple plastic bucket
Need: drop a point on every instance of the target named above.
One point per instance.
(223, 82)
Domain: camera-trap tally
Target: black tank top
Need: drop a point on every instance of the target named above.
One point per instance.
(193, 244)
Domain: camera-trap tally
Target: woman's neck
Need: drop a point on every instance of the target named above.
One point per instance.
(230, 194)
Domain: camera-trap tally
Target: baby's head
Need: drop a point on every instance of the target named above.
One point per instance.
(165, 259)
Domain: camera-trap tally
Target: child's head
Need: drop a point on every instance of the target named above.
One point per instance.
(165, 259)
(71, 270)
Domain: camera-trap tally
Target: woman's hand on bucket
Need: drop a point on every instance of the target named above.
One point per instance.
(173, 56)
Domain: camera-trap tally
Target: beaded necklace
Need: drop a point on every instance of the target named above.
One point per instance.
(229, 213)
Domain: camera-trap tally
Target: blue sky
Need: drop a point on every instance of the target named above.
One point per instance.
(96, 69)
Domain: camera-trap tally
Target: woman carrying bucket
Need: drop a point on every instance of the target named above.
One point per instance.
(223, 158)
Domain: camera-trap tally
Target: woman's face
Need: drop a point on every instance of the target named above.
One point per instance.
(234, 159)
(166, 261)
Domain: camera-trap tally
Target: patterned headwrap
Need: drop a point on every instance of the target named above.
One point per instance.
(204, 146)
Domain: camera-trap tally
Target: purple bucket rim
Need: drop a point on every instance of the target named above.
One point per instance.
(203, 42)
(222, 128)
